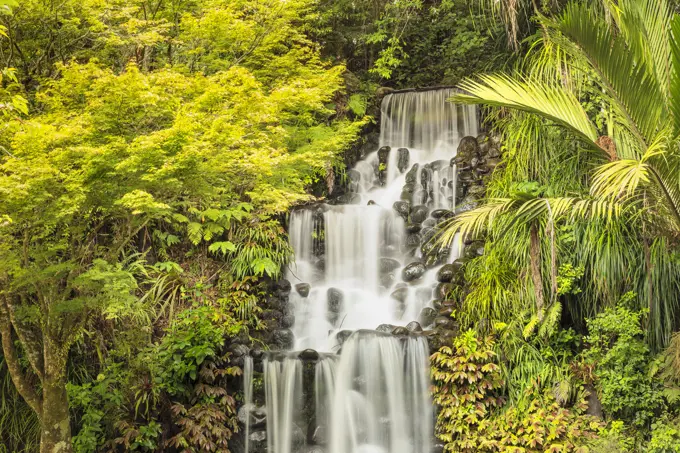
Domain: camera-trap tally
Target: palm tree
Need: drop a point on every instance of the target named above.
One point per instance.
(632, 54)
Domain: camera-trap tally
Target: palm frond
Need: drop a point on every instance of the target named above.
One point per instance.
(675, 73)
(545, 99)
(630, 84)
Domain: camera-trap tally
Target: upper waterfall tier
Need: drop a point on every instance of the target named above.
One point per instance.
(361, 265)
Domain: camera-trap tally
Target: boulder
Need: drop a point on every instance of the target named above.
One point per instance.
(441, 214)
(309, 354)
(343, 335)
(334, 299)
(412, 174)
(445, 273)
(388, 264)
(419, 213)
(284, 338)
(402, 208)
(427, 316)
(400, 294)
(420, 197)
(303, 289)
(400, 331)
(402, 159)
(283, 286)
(413, 228)
(443, 290)
(468, 148)
(414, 326)
(385, 328)
(413, 271)
(383, 153)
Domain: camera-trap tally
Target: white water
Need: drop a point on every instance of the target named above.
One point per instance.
(374, 397)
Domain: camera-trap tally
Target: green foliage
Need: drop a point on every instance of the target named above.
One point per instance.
(616, 349)
(665, 437)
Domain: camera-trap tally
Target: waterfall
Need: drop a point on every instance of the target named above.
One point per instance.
(361, 272)
(248, 396)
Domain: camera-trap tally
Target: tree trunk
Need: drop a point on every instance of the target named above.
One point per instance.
(55, 436)
(535, 263)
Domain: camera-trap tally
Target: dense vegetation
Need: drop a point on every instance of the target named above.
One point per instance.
(150, 150)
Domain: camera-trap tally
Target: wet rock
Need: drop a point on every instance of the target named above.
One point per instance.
(402, 208)
(427, 316)
(414, 326)
(288, 320)
(386, 280)
(400, 331)
(429, 222)
(309, 354)
(258, 441)
(466, 177)
(445, 311)
(494, 152)
(483, 170)
(334, 298)
(441, 214)
(342, 336)
(445, 273)
(238, 352)
(413, 239)
(412, 174)
(388, 264)
(438, 165)
(405, 196)
(400, 294)
(303, 289)
(354, 176)
(419, 213)
(383, 153)
(349, 198)
(420, 197)
(413, 271)
(443, 290)
(319, 436)
(283, 286)
(383, 91)
(257, 353)
(371, 203)
(467, 204)
(476, 190)
(413, 227)
(313, 449)
(284, 338)
(492, 163)
(408, 187)
(385, 328)
(444, 322)
(468, 148)
(402, 159)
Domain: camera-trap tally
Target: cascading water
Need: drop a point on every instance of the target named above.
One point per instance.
(364, 266)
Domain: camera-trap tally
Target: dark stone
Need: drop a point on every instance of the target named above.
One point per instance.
(371, 203)
(476, 190)
(409, 187)
(594, 405)
(354, 176)
(303, 289)
(309, 354)
(414, 326)
(383, 91)
(283, 286)
(405, 196)
(400, 294)
(412, 174)
(427, 316)
(319, 436)
(419, 213)
(439, 164)
(383, 153)
(256, 353)
(445, 311)
(343, 335)
(385, 328)
(413, 228)
(288, 320)
(441, 214)
(284, 338)
(444, 322)
(413, 271)
(420, 197)
(483, 169)
(445, 273)
(442, 290)
(493, 162)
(402, 159)
(400, 331)
(238, 350)
(466, 177)
(453, 303)
(349, 198)
(402, 208)
(334, 298)
(494, 152)
(386, 280)
(388, 264)
(468, 148)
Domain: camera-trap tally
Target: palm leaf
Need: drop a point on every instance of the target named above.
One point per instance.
(547, 100)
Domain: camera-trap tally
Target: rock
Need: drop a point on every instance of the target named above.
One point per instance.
(284, 338)
(414, 326)
(334, 299)
(320, 435)
(400, 331)
(466, 177)
(343, 335)
(402, 159)
(476, 190)
(354, 176)
(419, 213)
(405, 196)
(303, 289)
(445, 273)
(412, 174)
(385, 328)
(420, 197)
(409, 187)
(386, 280)
(400, 294)
(383, 91)
(442, 290)
(413, 271)
(493, 163)
(371, 203)
(437, 165)
(288, 320)
(494, 152)
(413, 228)
(427, 316)
(444, 322)
(349, 198)
(441, 214)
(468, 148)
(283, 286)
(388, 264)
(445, 311)
(309, 354)
(383, 153)
(403, 208)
